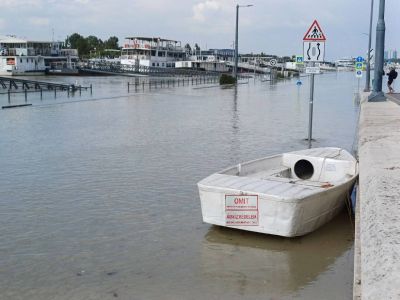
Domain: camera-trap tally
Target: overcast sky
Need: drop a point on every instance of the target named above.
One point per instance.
(271, 26)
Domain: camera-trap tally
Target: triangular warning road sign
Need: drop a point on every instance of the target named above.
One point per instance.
(314, 33)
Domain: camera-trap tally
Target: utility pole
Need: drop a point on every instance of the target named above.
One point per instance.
(236, 43)
(377, 95)
(368, 69)
(237, 40)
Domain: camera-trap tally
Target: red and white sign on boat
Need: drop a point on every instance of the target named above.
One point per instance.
(241, 210)
(314, 33)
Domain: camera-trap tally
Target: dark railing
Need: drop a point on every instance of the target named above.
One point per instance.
(16, 86)
(117, 68)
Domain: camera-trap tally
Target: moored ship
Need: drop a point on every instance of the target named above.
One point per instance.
(152, 52)
(20, 56)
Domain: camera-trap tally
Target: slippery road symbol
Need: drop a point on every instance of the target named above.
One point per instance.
(319, 51)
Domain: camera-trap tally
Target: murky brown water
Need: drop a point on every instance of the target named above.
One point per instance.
(99, 199)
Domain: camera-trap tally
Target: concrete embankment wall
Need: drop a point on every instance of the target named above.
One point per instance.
(377, 246)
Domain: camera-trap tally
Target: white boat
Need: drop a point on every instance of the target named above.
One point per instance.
(31, 57)
(345, 64)
(151, 52)
(289, 194)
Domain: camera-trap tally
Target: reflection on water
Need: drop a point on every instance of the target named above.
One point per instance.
(99, 197)
(235, 142)
(254, 264)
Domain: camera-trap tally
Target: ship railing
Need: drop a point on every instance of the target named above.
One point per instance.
(113, 67)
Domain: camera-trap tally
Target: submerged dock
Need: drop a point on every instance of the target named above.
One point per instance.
(13, 85)
(377, 245)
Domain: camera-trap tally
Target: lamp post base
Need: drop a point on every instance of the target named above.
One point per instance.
(377, 97)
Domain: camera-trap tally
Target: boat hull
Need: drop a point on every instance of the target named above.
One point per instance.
(289, 194)
(283, 217)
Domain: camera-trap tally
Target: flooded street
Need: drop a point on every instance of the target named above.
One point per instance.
(99, 197)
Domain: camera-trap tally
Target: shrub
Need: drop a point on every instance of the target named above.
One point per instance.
(280, 75)
(227, 79)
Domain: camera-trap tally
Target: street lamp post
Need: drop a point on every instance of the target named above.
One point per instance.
(368, 69)
(237, 39)
(377, 94)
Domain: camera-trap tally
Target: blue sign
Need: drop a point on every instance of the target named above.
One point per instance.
(359, 65)
(299, 59)
(359, 59)
(358, 73)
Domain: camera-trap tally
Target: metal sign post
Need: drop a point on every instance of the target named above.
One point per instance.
(313, 51)
(311, 108)
(359, 67)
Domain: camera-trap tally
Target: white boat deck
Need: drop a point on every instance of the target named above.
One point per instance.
(276, 179)
(273, 186)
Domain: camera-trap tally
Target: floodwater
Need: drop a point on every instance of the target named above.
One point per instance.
(99, 199)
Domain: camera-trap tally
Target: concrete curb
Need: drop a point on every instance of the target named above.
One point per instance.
(377, 244)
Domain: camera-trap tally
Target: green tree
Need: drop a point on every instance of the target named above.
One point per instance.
(91, 45)
(76, 41)
(94, 42)
(111, 43)
(73, 40)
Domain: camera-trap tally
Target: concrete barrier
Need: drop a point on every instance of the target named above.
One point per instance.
(377, 246)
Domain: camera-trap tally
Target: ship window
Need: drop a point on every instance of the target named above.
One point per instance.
(158, 64)
(20, 60)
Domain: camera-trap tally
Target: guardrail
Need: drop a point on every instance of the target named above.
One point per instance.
(119, 69)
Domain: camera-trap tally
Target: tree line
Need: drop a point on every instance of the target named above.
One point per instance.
(92, 46)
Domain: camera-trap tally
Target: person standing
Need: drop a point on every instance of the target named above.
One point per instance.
(392, 75)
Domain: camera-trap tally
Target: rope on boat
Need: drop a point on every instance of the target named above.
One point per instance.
(348, 207)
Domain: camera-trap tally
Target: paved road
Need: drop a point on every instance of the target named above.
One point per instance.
(395, 97)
